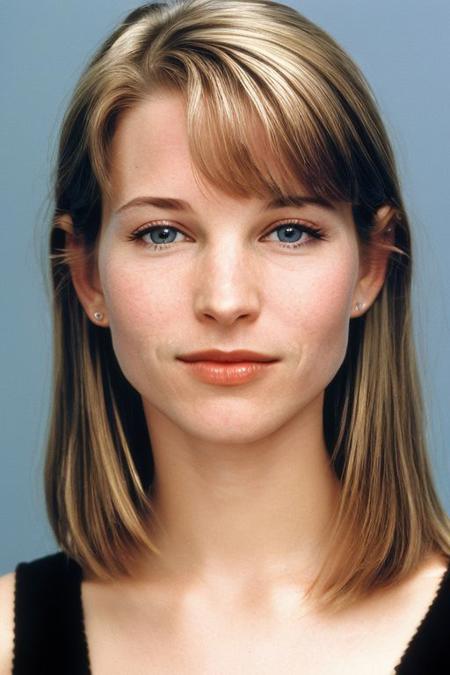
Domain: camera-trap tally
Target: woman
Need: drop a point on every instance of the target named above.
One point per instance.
(236, 473)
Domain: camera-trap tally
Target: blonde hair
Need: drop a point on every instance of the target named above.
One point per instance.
(238, 62)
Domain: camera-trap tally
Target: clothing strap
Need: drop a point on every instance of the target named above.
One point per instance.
(428, 651)
(49, 636)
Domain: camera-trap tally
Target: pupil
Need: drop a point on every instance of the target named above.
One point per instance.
(164, 234)
(290, 231)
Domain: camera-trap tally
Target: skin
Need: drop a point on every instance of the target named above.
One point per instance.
(233, 464)
(243, 484)
(243, 489)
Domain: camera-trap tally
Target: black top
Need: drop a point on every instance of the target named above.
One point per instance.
(50, 638)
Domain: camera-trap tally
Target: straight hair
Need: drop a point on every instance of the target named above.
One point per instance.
(241, 65)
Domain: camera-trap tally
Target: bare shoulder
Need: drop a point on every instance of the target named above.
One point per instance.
(7, 584)
(416, 593)
(434, 566)
(424, 582)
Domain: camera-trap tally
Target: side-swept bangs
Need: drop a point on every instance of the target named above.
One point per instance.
(256, 100)
(272, 103)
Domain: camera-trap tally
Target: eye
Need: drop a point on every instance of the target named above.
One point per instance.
(162, 236)
(294, 230)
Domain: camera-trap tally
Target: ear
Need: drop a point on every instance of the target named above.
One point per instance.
(84, 272)
(374, 260)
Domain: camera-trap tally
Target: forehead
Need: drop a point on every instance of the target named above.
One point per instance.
(151, 143)
(150, 139)
(150, 155)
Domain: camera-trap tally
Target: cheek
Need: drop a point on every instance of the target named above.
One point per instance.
(328, 303)
(143, 313)
(304, 314)
(317, 320)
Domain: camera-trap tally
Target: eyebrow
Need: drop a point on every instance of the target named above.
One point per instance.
(182, 205)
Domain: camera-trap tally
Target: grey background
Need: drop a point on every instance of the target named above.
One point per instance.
(402, 47)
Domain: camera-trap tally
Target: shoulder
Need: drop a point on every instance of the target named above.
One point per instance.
(433, 579)
(7, 584)
(38, 578)
(43, 583)
(54, 562)
(428, 649)
(430, 581)
(27, 584)
(434, 565)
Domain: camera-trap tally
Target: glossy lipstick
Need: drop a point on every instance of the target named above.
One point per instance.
(227, 368)
(214, 372)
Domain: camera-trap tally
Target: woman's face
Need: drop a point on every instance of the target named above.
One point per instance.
(234, 274)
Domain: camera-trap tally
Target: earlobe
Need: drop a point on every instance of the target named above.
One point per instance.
(83, 271)
(375, 260)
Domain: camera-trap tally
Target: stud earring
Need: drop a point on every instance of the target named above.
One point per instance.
(98, 316)
(359, 306)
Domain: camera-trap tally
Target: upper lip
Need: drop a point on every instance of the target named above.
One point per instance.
(231, 357)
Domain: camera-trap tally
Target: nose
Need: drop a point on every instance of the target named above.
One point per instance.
(227, 285)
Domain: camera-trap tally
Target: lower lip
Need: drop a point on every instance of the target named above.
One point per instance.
(215, 372)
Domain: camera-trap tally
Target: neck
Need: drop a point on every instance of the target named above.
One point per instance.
(257, 510)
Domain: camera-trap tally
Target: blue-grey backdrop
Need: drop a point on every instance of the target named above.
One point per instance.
(404, 51)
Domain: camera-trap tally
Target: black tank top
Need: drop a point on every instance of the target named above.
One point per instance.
(50, 637)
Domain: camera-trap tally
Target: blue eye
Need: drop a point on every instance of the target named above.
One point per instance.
(162, 234)
(165, 235)
(294, 233)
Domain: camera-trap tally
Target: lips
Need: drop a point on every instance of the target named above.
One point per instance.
(236, 356)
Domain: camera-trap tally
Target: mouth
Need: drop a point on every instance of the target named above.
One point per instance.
(240, 356)
(227, 373)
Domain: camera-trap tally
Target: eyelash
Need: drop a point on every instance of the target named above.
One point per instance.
(315, 232)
